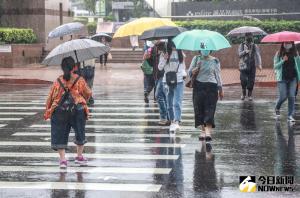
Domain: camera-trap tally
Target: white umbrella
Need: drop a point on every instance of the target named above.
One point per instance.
(241, 31)
(79, 49)
(66, 29)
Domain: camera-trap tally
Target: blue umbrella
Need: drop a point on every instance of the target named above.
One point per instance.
(196, 40)
(66, 29)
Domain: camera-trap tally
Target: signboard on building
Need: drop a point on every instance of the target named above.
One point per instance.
(128, 5)
(289, 9)
(5, 48)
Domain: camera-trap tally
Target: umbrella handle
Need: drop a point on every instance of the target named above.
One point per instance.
(76, 56)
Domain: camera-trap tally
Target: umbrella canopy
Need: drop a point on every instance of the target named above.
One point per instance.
(98, 36)
(66, 29)
(201, 40)
(162, 32)
(138, 26)
(79, 49)
(241, 31)
(280, 37)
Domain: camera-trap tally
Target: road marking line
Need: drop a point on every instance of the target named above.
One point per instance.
(95, 104)
(134, 114)
(94, 144)
(128, 120)
(118, 127)
(22, 108)
(89, 169)
(89, 155)
(159, 135)
(18, 113)
(10, 119)
(91, 108)
(81, 186)
(2, 125)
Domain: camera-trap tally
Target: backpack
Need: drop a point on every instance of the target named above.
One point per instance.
(87, 72)
(147, 68)
(66, 107)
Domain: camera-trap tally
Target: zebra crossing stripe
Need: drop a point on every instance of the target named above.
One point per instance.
(94, 144)
(18, 113)
(2, 125)
(133, 114)
(185, 128)
(117, 170)
(22, 108)
(129, 120)
(96, 103)
(92, 108)
(81, 186)
(135, 135)
(89, 155)
(10, 119)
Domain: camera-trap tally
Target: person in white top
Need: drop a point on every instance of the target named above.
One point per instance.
(172, 62)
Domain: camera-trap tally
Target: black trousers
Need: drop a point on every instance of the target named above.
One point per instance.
(205, 97)
(104, 56)
(248, 78)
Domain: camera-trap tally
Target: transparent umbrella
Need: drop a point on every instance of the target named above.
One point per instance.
(79, 49)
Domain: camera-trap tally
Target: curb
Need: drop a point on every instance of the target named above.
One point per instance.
(257, 84)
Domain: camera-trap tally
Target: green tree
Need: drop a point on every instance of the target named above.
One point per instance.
(90, 5)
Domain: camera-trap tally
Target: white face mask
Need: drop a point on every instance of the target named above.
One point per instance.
(287, 46)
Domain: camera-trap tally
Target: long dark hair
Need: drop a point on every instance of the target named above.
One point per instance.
(283, 51)
(67, 65)
(169, 50)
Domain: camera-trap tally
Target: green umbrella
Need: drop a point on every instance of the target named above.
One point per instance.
(196, 40)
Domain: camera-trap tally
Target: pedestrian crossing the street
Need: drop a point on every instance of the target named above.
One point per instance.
(126, 148)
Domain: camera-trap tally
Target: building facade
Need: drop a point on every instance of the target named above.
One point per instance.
(227, 9)
(40, 15)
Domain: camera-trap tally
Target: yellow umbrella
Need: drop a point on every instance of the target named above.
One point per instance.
(138, 26)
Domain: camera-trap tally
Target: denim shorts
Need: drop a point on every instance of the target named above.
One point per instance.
(60, 129)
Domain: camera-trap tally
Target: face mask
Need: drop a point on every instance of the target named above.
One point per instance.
(205, 52)
(287, 46)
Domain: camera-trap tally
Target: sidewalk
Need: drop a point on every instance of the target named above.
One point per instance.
(115, 73)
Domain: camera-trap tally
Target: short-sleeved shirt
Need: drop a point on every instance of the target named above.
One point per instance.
(80, 92)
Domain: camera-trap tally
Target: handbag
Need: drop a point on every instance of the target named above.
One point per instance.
(146, 67)
(190, 83)
(242, 63)
(171, 78)
(109, 56)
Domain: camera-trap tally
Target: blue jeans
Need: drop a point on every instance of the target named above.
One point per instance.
(161, 99)
(287, 90)
(174, 101)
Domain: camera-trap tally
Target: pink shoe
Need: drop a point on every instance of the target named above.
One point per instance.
(80, 160)
(63, 164)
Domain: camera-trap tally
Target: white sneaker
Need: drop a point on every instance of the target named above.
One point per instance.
(291, 119)
(177, 127)
(172, 128)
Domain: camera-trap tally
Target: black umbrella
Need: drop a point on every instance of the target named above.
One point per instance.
(97, 37)
(161, 32)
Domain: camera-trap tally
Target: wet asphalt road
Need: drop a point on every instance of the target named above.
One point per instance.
(130, 156)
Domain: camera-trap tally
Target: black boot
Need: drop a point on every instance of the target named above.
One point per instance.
(146, 99)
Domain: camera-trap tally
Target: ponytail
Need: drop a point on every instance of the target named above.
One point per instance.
(67, 65)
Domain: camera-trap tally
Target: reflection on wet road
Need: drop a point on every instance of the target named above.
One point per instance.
(130, 156)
